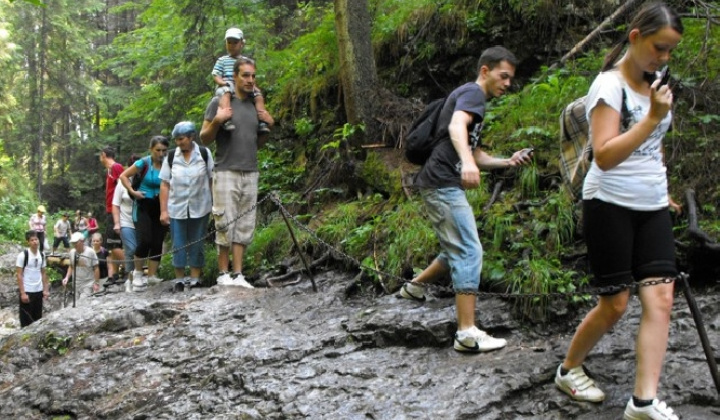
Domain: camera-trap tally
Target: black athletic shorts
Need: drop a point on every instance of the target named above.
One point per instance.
(627, 245)
(112, 238)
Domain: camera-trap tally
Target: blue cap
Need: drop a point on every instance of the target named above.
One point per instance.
(183, 128)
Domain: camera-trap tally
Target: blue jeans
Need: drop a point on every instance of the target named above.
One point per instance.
(129, 242)
(454, 224)
(187, 241)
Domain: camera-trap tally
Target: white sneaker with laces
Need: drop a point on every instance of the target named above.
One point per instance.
(474, 340)
(238, 279)
(578, 385)
(658, 410)
(224, 279)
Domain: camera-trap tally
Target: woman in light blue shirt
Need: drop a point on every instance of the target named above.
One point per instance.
(185, 200)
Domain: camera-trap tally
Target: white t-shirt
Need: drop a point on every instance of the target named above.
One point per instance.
(640, 181)
(122, 199)
(32, 274)
(61, 228)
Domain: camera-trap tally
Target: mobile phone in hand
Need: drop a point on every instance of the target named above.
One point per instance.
(664, 76)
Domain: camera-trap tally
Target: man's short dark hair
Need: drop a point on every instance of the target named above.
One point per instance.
(493, 56)
(242, 61)
(109, 151)
(30, 234)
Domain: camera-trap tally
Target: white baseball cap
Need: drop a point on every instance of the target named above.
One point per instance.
(234, 33)
(77, 236)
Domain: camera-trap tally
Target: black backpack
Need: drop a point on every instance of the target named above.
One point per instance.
(423, 135)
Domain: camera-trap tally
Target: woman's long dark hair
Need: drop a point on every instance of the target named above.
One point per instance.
(649, 20)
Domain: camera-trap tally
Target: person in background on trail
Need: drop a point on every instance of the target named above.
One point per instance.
(453, 167)
(96, 241)
(86, 267)
(37, 223)
(150, 233)
(185, 201)
(61, 233)
(123, 222)
(113, 243)
(627, 224)
(222, 74)
(81, 224)
(92, 224)
(235, 184)
(32, 280)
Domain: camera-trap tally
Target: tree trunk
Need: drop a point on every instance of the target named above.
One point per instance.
(358, 74)
(40, 109)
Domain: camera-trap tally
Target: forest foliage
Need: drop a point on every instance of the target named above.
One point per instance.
(78, 74)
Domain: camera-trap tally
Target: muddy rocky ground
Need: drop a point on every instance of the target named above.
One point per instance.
(291, 353)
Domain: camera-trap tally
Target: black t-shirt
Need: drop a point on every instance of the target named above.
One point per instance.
(443, 167)
(102, 262)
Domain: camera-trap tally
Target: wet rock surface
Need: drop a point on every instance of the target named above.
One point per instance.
(286, 353)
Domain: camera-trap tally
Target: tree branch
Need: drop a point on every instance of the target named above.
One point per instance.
(592, 35)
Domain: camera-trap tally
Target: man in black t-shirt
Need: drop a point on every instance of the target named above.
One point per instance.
(453, 167)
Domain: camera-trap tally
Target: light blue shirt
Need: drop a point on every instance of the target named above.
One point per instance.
(150, 184)
(190, 196)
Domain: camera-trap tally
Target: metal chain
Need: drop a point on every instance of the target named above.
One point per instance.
(590, 290)
(188, 245)
(338, 254)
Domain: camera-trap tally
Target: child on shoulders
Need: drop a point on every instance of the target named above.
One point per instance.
(223, 76)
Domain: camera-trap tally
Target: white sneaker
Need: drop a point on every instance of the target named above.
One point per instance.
(239, 280)
(413, 292)
(658, 410)
(474, 340)
(139, 284)
(578, 385)
(153, 280)
(224, 279)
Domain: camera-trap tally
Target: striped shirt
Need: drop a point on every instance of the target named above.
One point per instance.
(224, 67)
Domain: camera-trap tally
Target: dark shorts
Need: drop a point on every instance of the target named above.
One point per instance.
(112, 239)
(627, 245)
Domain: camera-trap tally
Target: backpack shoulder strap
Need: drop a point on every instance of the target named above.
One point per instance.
(26, 254)
(204, 153)
(171, 157)
(147, 161)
